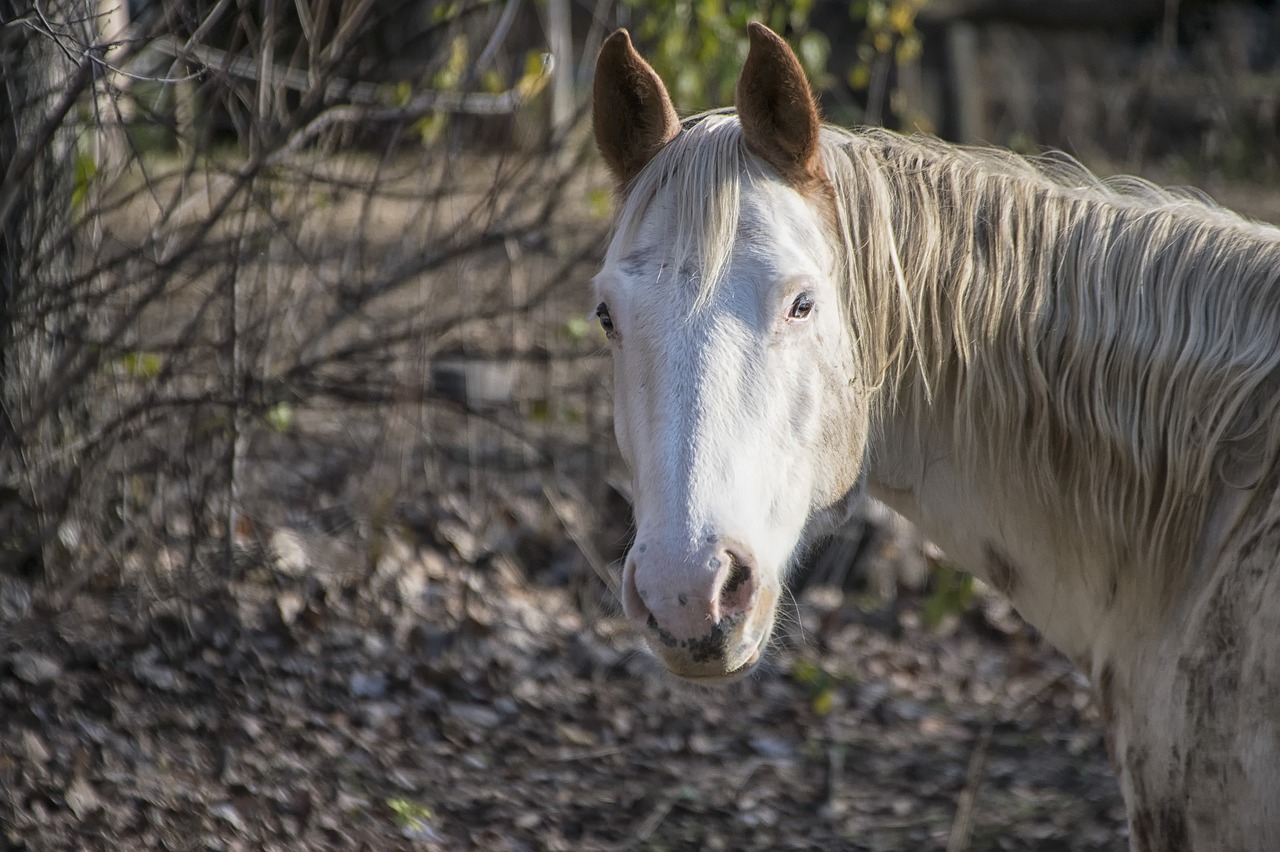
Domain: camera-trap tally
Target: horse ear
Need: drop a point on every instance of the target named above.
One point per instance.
(779, 116)
(631, 109)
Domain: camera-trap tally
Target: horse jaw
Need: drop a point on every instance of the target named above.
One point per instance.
(739, 424)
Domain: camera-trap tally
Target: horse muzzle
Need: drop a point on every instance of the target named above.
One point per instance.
(708, 618)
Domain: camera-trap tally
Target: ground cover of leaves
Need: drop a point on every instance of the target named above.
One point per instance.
(420, 703)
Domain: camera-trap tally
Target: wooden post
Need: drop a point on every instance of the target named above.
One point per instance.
(560, 40)
(962, 69)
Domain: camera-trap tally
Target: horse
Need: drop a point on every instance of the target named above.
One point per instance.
(1071, 385)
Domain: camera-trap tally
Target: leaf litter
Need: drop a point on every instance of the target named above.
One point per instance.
(430, 704)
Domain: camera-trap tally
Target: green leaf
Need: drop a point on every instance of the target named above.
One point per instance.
(537, 73)
(902, 18)
(444, 12)
(804, 671)
(859, 77)
(455, 66)
(820, 683)
(403, 93)
(824, 701)
(280, 417)
(953, 594)
(430, 128)
(599, 203)
(141, 365)
(877, 12)
(697, 46)
(813, 50)
(410, 815)
(86, 171)
(387, 94)
(576, 328)
(909, 49)
(491, 81)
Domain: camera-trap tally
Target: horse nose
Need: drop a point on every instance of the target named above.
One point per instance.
(688, 599)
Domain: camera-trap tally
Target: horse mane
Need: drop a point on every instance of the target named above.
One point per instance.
(1109, 346)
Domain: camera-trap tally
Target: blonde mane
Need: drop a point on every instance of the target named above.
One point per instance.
(1111, 348)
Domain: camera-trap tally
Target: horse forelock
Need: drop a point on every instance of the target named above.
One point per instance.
(700, 174)
(1110, 344)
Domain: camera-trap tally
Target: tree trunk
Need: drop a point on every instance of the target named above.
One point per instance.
(42, 323)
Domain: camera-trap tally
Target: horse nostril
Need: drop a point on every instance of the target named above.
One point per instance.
(738, 588)
(738, 574)
(675, 601)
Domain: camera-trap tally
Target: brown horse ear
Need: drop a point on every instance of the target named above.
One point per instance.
(779, 116)
(631, 109)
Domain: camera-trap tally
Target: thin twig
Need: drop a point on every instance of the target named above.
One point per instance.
(353, 93)
(645, 829)
(573, 528)
(962, 825)
(835, 769)
(500, 30)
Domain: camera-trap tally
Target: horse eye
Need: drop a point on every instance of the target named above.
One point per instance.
(606, 321)
(801, 307)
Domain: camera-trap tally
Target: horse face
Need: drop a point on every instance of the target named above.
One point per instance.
(736, 419)
(733, 403)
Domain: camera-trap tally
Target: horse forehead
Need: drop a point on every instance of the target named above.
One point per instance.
(777, 206)
(779, 238)
(772, 238)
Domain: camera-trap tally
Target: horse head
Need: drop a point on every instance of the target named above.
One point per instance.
(737, 403)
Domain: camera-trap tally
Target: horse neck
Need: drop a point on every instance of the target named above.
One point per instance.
(1010, 442)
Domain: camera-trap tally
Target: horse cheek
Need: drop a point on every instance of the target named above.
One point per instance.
(803, 410)
(623, 413)
(840, 446)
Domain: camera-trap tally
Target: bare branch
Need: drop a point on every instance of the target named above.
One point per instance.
(365, 101)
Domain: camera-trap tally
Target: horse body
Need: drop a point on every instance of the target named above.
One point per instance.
(1188, 690)
(1070, 387)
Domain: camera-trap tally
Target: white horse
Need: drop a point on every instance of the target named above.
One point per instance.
(1070, 385)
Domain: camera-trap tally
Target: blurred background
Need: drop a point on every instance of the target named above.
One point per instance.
(310, 511)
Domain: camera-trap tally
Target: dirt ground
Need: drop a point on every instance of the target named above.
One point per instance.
(425, 704)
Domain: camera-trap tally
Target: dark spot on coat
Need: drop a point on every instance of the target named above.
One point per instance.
(713, 646)
(1162, 827)
(637, 260)
(1001, 571)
